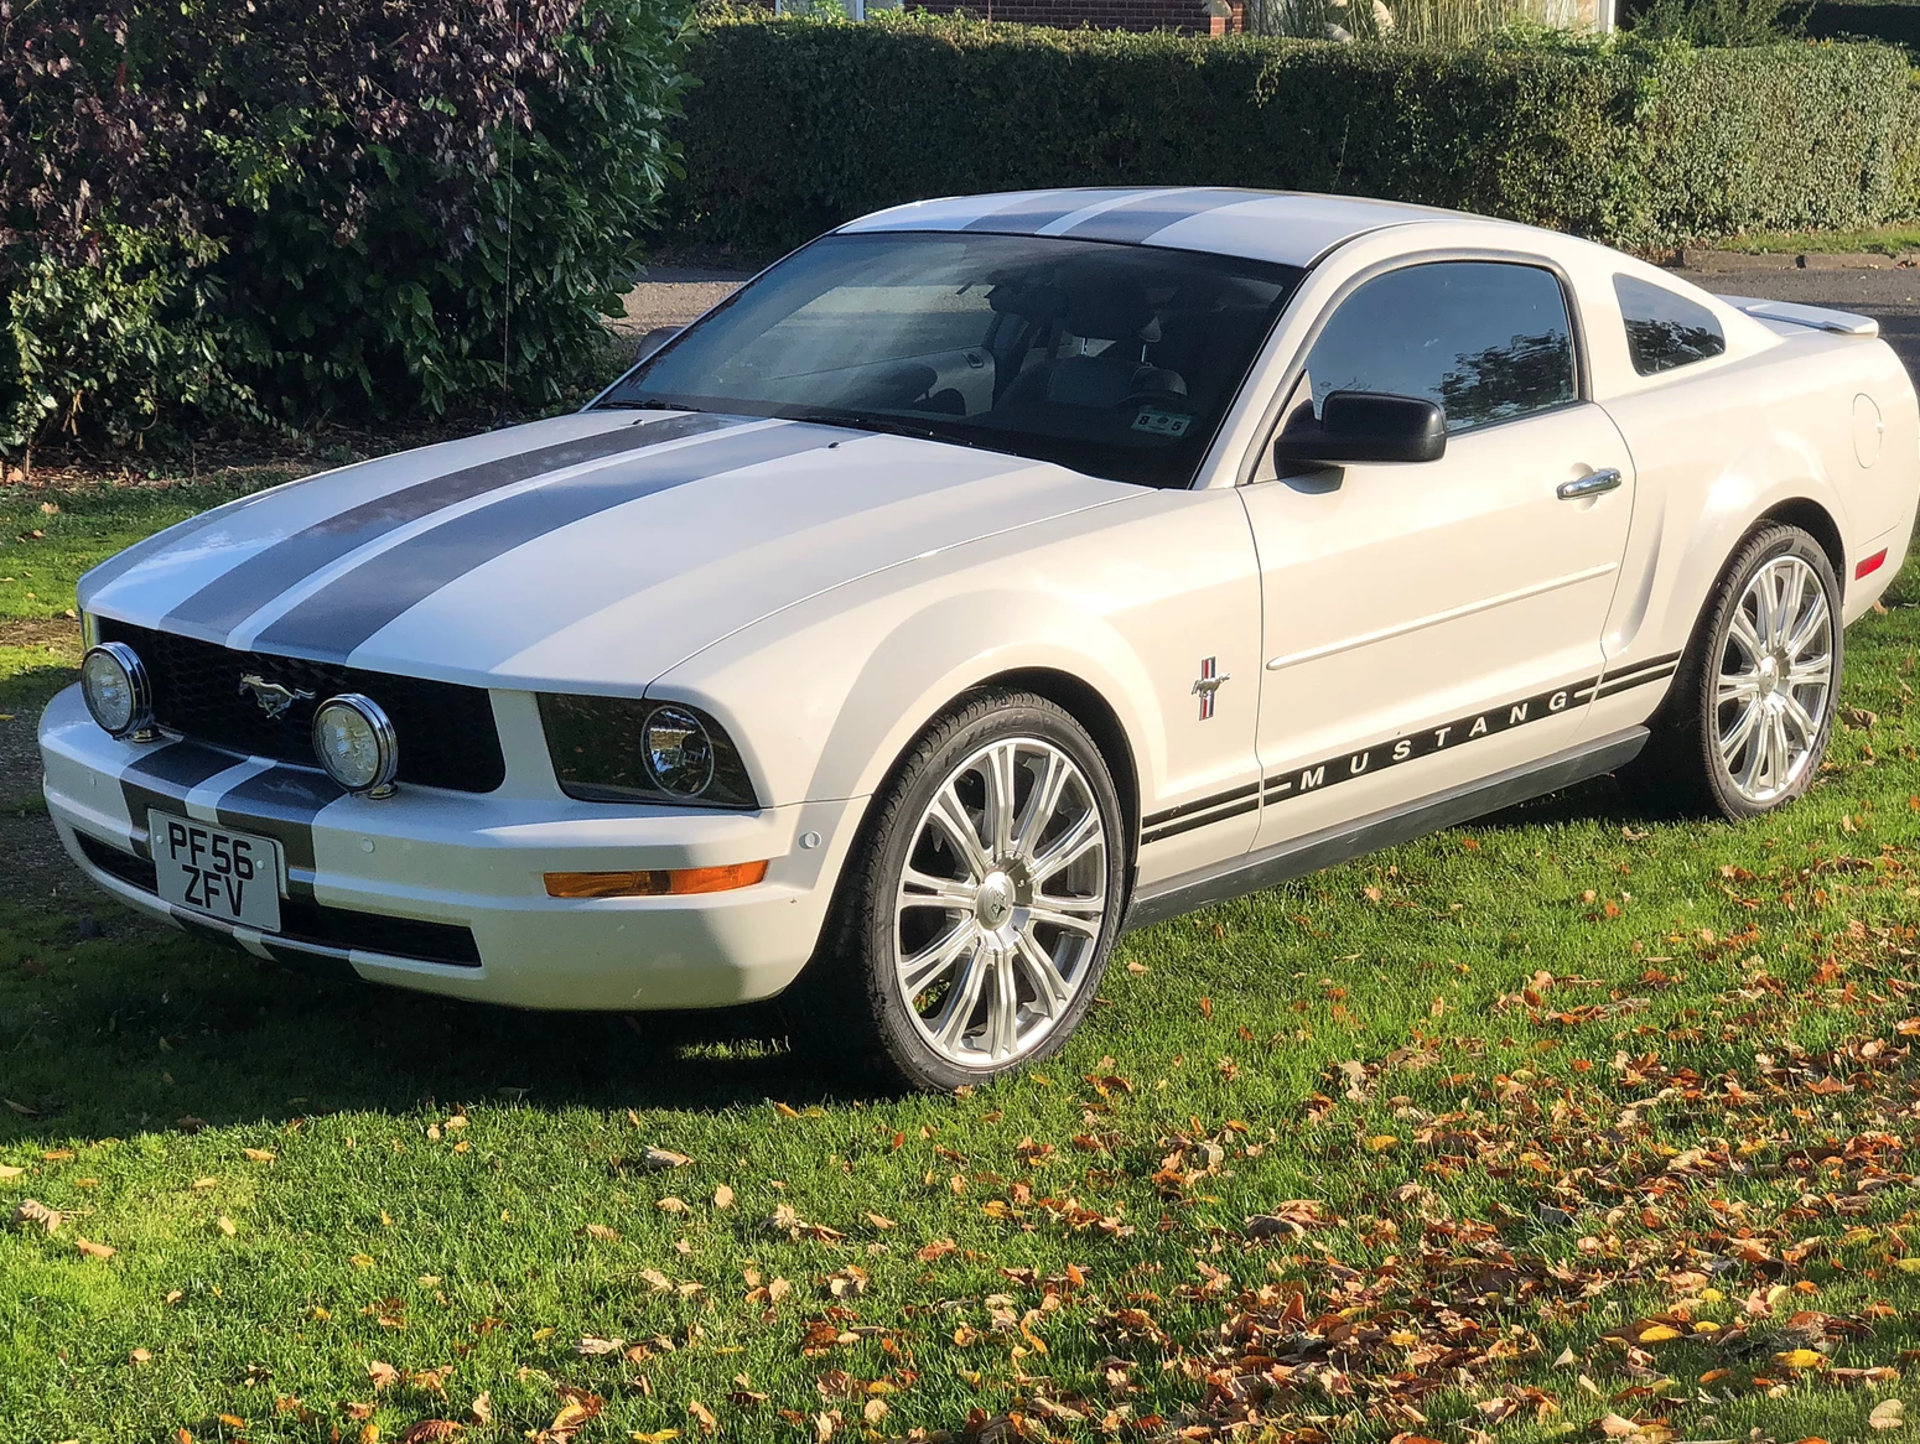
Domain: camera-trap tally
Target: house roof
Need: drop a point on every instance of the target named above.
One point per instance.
(1289, 227)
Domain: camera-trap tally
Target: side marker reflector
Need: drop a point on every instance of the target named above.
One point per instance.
(676, 883)
(1869, 565)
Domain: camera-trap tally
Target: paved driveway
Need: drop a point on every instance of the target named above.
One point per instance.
(1891, 295)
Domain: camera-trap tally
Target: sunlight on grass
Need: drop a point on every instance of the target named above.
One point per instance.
(1886, 241)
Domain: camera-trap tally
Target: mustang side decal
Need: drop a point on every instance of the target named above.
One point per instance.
(1211, 679)
(1329, 772)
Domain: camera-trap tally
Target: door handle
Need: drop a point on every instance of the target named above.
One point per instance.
(1594, 483)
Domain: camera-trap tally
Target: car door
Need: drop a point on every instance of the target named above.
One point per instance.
(1426, 624)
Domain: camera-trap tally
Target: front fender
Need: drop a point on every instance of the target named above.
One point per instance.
(825, 702)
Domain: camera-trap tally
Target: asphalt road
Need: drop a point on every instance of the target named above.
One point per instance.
(1890, 294)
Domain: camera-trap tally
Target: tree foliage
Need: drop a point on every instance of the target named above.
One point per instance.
(289, 207)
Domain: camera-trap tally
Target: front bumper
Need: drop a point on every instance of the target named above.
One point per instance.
(395, 887)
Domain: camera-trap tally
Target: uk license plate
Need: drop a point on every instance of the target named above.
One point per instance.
(234, 876)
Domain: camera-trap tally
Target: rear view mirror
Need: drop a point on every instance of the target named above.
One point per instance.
(1359, 426)
(654, 340)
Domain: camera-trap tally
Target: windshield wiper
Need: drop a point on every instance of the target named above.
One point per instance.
(615, 404)
(867, 421)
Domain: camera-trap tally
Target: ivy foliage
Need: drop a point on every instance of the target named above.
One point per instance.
(799, 124)
(286, 209)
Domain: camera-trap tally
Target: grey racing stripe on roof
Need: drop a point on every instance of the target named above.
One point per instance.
(1139, 220)
(1025, 216)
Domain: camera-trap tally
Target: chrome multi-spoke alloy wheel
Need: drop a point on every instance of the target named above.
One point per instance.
(1775, 680)
(999, 909)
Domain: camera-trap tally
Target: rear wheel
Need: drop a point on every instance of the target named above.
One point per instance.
(1747, 723)
(976, 918)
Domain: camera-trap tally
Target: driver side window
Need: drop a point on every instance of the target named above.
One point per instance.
(1486, 341)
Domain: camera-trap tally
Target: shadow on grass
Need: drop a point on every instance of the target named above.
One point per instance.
(28, 687)
(142, 1029)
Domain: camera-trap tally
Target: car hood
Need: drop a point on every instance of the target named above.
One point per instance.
(592, 551)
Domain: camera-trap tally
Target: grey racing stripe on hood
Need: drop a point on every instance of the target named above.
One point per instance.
(212, 613)
(1140, 220)
(351, 608)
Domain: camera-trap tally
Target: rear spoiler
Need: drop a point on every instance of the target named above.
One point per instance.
(1841, 323)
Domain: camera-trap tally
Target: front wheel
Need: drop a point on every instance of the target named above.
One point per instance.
(1747, 723)
(976, 917)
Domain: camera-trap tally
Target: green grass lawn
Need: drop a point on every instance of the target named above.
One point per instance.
(1565, 1125)
(1884, 241)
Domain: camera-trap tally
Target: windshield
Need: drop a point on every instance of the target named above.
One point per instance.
(1115, 360)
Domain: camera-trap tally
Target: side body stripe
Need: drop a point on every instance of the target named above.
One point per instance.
(229, 599)
(1298, 781)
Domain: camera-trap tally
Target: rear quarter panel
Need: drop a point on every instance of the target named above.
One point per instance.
(1718, 447)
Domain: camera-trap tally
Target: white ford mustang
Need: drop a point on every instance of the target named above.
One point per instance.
(988, 576)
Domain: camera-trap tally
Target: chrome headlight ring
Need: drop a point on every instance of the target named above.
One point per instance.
(356, 743)
(118, 691)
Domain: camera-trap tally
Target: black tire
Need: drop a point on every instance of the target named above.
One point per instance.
(849, 1006)
(1682, 769)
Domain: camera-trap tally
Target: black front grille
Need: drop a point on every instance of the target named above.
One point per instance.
(310, 922)
(446, 731)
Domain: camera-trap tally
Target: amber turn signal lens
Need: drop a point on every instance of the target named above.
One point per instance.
(655, 884)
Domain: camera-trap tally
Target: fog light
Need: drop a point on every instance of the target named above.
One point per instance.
(355, 742)
(675, 883)
(679, 752)
(113, 680)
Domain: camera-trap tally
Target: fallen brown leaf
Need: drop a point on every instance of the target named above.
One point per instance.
(429, 1430)
(32, 1211)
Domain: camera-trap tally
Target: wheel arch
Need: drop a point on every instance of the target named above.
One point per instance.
(1814, 519)
(1083, 702)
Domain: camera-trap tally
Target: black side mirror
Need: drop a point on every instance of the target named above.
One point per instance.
(654, 340)
(1364, 426)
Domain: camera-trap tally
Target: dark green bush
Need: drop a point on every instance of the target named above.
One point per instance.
(350, 208)
(798, 125)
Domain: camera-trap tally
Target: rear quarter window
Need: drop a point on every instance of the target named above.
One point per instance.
(1664, 329)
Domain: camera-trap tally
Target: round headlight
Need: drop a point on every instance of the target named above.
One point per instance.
(356, 744)
(679, 751)
(114, 682)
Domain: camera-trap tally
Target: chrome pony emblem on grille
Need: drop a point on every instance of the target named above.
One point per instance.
(1211, 678)
(273, 698)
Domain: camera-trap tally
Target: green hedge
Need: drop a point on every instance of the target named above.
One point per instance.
(800, 124)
